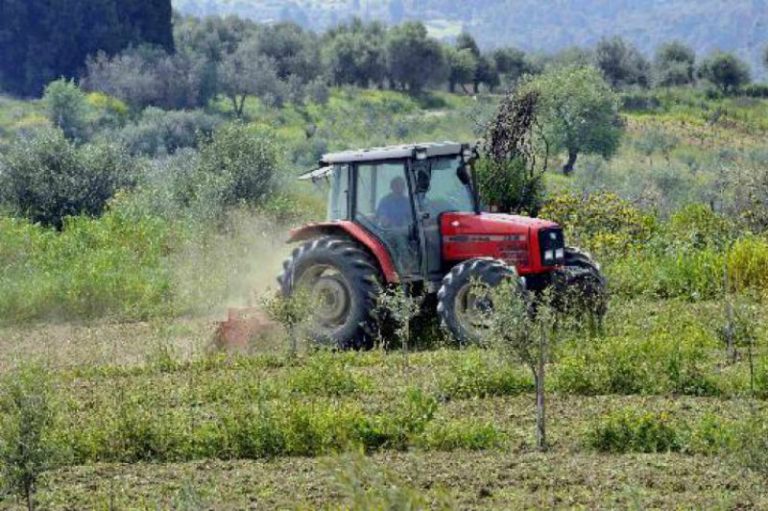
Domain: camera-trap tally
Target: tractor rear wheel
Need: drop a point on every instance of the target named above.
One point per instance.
(584, 285)
(343, 283)
(461, 308)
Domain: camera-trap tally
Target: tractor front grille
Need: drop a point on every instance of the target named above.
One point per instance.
(552, 247)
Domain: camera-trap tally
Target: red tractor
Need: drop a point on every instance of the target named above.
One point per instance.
(409, 215)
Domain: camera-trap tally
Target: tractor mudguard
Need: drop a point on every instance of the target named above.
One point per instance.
(357, 233)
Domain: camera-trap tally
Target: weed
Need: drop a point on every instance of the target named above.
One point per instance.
(630, 430)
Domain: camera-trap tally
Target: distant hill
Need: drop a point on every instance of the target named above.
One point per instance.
(536, 25)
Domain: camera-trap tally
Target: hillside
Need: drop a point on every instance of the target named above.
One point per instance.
(738, 25)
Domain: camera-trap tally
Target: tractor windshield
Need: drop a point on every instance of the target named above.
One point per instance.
(446, 191)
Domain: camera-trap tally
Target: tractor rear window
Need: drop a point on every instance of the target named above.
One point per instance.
(446, 191)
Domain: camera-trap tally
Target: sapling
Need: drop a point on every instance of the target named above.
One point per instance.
(401, 307)
(292, 312)
(26, 418)
(524, 331)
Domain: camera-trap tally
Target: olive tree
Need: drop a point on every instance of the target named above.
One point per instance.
(248, 72)
(725, 71)
(621, 63)
(67, 108)
(674, 64)
(578, 112)
(414, 60)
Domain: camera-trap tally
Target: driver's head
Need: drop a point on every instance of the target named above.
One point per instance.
(397, 186)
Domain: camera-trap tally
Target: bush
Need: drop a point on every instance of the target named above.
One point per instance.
(630, 430)
(238, 164)
(748, 264)
(477, 375)
(696, 226)
(464, 434)
(159, 133)
(67, 108)
(507, 186)
(27, 417)
(47, 178)
(602, 222)
(112, 266)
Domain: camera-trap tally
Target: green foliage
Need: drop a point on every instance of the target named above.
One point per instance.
(630, 430)
(67, 108)
(414, 60)
(508, 187)
(725, 71)
(238, 165)
(463, 434)
(113, 266)
(48, 41)
(601, 222)
(621, 63)
(674, 64)
(478, 375)
(752, 444)
(27, 420)
(326, 375)
(158, 133)
(46, 178)
(578, 112)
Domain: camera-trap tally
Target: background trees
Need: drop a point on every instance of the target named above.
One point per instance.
(42, 40)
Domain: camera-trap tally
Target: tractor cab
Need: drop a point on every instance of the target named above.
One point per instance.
(398, 194)
(410, 214)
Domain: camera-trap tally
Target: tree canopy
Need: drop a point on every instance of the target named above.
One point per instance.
(725, 71)
(42, 40)
(578, 112)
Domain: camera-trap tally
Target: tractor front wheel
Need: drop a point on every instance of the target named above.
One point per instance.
(463, 305)
(342, 282)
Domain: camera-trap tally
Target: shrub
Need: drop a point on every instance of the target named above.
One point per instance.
(67, 108)
(748, 263)
(240, 164)
(464, 434)
(325, 375)
(696, 226)
(158, 132)
(507, 186)
(752, 444)
(630, 430)
(479, 376)
(27, 417)
(602, 222)
(47, 178)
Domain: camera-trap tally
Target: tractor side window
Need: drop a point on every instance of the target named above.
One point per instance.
(338, 204)
(446, 191)
(382, 195)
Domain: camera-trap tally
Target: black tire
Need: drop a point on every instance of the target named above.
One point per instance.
(453, 292)
(583, 284)
(354, 276)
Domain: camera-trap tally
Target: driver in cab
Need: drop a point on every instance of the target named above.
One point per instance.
(394, 210)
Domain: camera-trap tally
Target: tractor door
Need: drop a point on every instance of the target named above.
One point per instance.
(383, 205)
(441, 187)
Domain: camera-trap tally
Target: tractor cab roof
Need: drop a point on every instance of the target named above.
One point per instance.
(394, 152)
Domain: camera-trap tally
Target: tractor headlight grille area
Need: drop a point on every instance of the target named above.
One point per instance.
(552, 246)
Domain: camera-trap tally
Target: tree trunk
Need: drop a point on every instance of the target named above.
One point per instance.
(571, 163)
(30, 494)
(451, 86)
(541, 425)
(476, 87)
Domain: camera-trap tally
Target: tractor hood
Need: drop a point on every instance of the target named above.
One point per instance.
(511, 238)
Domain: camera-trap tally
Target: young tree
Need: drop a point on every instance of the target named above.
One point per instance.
(248, 72)
(462, 65)
(414, 60)
(578, 112)
(67, 108)
(725, 71)
(621, 63)
(525, 336)
(674, 64)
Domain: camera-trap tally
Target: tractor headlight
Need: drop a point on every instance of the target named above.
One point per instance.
(549, 255)
(559, 254)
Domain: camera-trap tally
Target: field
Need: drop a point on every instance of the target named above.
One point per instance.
(112, 321)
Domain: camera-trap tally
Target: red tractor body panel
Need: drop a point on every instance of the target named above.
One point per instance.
(511, 238)
(356, 232)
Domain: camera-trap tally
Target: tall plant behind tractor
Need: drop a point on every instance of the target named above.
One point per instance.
(410, 216)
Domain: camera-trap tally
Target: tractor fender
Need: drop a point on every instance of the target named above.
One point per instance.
(357, 233)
